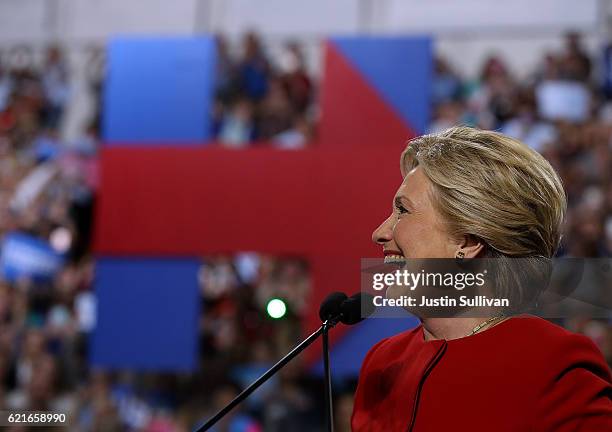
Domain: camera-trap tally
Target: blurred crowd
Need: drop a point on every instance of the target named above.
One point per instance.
(48, 188)
(258, 99)
(561, 111)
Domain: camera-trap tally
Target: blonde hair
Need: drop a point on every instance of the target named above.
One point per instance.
(493, 187)
(497, 189)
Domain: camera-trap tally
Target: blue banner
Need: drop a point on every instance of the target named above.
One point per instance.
(25, 256)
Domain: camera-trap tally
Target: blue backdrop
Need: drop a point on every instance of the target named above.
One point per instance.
(148, 312)
(159, 90)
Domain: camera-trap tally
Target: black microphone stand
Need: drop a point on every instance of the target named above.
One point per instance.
(323, 330)
(329, 403)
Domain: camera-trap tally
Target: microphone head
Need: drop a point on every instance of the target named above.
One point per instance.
(330, 308)
(356, 308)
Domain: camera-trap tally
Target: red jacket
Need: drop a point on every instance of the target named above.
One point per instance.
(524, 374)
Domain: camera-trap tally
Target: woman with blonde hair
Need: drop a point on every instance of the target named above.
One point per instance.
(466, 194)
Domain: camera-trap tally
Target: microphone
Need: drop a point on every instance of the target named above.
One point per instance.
(348, 310)
(337, 307)
(356, 308)
(330, 308)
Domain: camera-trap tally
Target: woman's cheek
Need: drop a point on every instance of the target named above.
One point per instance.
(402, 237)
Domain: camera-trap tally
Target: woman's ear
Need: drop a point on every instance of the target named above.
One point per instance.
(470, 247)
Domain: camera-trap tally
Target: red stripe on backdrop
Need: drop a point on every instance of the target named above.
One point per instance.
(201, 200)
(354, 113)
(320, 204)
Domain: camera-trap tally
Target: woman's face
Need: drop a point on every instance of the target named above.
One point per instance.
(414, 229)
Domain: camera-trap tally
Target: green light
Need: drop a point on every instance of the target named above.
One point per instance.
(276, 308)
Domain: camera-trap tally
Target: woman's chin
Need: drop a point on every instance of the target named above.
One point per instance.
(397, 291)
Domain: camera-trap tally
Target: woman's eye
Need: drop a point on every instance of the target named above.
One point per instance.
(401, 209)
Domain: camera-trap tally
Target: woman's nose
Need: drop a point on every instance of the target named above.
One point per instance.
(384, 232)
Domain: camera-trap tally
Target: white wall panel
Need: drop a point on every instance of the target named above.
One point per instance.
(441, 16)
(287, 17)
(23, 20)
(95, 19)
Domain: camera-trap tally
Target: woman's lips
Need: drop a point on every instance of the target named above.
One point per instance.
(394, 257)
